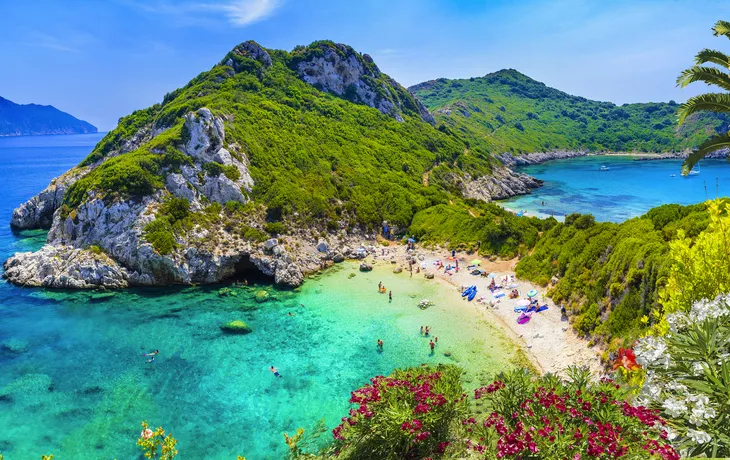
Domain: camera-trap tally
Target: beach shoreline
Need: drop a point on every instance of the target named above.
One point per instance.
(547, 340)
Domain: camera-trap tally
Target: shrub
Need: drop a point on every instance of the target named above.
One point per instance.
(688, 377)
(215, 169)
(405, 415)
(275, 228)
(160, 235)
(549, 417)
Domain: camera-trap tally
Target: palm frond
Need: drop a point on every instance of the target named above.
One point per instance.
(721, 28)
(712, 144)
(709, 75)
(713, 57)
(714, 102)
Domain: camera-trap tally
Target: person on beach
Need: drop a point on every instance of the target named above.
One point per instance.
(563, 312)
(380, 285)
(152, 353)
(380, 344)
(273, 370)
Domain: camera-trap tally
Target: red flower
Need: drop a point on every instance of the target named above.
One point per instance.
(626, 359)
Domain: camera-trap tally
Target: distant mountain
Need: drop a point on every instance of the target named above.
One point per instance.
(34, 119)
(507, 111)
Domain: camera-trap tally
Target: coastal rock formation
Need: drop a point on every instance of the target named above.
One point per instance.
(341, 70)
(503, 183)
(38, 211)
(65, 267)
(538, 157)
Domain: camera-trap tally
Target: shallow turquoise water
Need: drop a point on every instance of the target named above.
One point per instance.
(73, 381)
(628, 189)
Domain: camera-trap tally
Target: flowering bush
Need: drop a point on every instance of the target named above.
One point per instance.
(548, 417)
(688, 377)
(155, 444)
(405, 415)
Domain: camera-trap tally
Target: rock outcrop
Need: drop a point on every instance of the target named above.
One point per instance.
(38, 211)
(340, 70)
(503, 183)
(510, 160)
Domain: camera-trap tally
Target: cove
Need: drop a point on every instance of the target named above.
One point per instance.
(73, 381)
(627, 189)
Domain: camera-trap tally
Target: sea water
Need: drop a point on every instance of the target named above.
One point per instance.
(73, 380)
(627, 189)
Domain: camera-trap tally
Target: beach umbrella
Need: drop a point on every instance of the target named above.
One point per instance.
(492, 275)
(531, 293)
(411, 240)
(476, 262)
(523, 303)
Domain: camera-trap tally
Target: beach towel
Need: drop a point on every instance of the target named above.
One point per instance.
(523, 319)
(498, 295)
(520, 309)
(542, 308)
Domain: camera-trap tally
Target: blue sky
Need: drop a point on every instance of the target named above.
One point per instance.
(102, 59)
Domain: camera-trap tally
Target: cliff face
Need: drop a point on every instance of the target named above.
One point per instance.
(34, 119)
(271, 161)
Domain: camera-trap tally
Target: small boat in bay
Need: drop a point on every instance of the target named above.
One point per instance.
(604, 168)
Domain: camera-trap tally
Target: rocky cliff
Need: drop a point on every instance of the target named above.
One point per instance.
(273, 162)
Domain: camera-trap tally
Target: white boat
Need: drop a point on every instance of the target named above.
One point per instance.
(672, 175)
(604, 168)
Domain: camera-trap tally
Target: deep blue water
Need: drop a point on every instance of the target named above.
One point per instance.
(73, 381)
(628, 189)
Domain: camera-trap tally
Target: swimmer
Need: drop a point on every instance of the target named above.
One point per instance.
(390, 296)
(152, 353)
(421, 330)
(436, 339)
(292, 314)
(432, 345)
(380, 344)
(151, 360)
(274, 371)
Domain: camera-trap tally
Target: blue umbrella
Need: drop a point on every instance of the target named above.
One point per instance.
(531, 293)
(411, 240)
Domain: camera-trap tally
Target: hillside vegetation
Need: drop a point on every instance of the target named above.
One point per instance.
(610, 275)
(507, 111)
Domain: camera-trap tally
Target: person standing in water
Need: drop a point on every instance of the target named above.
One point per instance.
(380, 344)
(390, 296)
(432, 345)
(274, 371)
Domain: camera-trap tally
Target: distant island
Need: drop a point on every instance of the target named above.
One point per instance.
(34, 120)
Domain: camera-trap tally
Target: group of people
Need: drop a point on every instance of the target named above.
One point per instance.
(514, 294)
(493, 286)
(151, 355)
(382, 290)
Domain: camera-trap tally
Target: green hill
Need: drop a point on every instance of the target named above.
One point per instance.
(507, 111)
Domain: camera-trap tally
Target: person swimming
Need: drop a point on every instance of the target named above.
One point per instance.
(152, 353)
(274, 371)
(380, 344)
(292, 314)
(151, 360)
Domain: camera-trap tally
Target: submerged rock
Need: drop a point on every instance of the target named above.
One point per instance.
(236, 327)
(365, 267)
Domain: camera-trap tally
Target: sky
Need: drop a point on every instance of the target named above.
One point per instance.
(102, 59)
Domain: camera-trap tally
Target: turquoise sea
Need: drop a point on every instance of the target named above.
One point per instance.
(627, 189)
(73, 381)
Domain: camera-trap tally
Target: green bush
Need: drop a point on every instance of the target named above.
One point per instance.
(275, 228)
(215, 169)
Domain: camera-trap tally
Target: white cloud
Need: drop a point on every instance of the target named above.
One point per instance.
(238, 12)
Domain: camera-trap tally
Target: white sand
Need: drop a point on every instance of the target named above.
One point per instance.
(547, 340)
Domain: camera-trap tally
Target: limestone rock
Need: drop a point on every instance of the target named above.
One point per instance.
(252, 50)
(270, 243)
(365, 267)
(503, 183)
(38, 211)
(65, 267)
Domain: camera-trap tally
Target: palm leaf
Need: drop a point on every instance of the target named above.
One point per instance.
(709, 75)
(714, 102)
(721, 28)
(713, 57)
(712, 144)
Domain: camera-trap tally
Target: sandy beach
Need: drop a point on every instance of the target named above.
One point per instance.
(547, 340)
